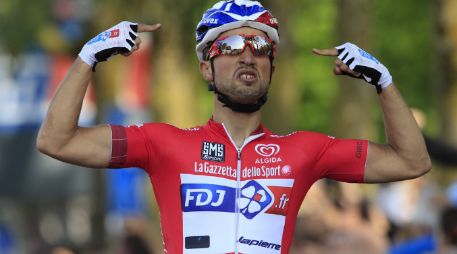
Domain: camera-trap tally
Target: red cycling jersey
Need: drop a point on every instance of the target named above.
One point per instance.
(215, 197)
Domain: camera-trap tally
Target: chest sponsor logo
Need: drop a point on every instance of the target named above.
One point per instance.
(267, 154)
(267, 150)
(207, 197)
(212, 169)
(254, 198)
(262, 171)
(213, 151)
(268, 160)
(259, 243)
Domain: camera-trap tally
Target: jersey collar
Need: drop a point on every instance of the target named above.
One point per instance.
(219, 128)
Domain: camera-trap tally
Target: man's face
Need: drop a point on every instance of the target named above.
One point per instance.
(243, 78)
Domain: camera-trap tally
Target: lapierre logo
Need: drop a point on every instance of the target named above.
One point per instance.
(213, 151)
(259, 243)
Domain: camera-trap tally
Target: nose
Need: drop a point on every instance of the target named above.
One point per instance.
(247, 57)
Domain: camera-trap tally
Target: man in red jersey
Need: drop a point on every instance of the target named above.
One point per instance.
(232, 186)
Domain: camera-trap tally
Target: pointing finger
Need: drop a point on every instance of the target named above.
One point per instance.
(326, 52)
(148, 28)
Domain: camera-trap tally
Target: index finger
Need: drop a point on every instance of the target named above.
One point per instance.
(148, 28)
(326, 52)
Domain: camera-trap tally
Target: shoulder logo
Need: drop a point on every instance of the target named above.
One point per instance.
(267, 149)
(213, 151)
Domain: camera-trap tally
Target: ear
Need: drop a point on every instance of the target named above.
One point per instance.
(273, 68)
(205, 69)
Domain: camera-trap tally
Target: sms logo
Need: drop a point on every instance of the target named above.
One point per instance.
(254, 198)
(207, 197)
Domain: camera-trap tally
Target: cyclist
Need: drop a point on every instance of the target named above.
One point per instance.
(230, 185)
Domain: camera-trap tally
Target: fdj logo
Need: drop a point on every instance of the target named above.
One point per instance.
(213, 151)
(217, 198)
(254, 199)
(207, 197)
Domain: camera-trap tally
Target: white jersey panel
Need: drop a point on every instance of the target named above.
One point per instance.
(210, 219)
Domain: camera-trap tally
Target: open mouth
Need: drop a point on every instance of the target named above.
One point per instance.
(247, 75)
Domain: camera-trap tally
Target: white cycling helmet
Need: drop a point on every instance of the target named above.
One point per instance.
(228, 15)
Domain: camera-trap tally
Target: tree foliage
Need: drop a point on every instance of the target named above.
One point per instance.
(20, 22)
(404, 38)
(303, 89)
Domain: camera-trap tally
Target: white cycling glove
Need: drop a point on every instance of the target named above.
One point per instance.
(118, 39)
(370, 69)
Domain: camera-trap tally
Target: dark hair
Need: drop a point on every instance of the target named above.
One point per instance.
(205, 53)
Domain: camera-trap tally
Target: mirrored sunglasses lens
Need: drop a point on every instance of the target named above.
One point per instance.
(261, 46)
(232, 45)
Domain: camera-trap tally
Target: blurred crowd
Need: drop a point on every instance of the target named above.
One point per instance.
(409, 217)
(416, 216)
(134, 241)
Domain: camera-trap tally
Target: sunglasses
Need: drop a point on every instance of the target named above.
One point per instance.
(234, 45)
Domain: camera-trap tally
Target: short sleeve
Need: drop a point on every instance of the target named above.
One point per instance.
(343, 160)
(128, 147)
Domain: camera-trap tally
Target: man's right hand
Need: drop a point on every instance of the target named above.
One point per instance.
(119, 39)
(60, 136)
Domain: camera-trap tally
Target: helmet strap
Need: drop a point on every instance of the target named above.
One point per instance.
(235, 106)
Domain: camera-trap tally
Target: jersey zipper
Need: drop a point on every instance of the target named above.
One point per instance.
(238, 179)
(238, 186)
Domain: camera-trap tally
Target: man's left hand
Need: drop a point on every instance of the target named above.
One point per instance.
(356, 62)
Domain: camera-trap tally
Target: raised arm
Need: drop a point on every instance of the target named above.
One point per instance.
(60, 136)
(405, 155)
